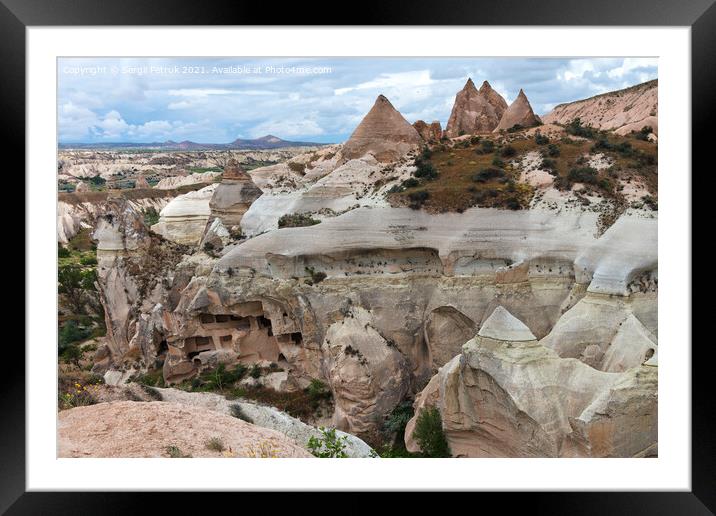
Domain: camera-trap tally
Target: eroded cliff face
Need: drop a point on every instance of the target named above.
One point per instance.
(507, 395)
(370, 303)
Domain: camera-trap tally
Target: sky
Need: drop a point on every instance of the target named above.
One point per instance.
(216, 100)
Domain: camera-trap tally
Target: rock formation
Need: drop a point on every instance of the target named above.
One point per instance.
(82, 187)
(623, 111)
(506, 395)
(234, 195)
(475, 111)
(137, 277)
(519, 113)
(368, 375)
(383, 132)
(429, 133)
(141, 182)
(184, 219)
(147, 429)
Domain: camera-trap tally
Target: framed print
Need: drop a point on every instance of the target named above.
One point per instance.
(428, 254)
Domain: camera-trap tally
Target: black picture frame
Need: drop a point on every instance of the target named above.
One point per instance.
(700, 15)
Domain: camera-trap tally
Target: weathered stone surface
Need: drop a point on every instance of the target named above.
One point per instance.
(266, 417)
(141, 182)
(184, 219)
(429, 133)
(233, 197)
(383, 132)
(501, 398)
(146, 429)
(367, 374)
(632, 345)
(82, 187)
(519, 113)
(475, 111)
(623, 110)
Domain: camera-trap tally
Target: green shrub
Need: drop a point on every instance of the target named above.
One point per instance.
(215, 444)
(549, 164)
(410, 183)
(255, 371)
(328, 445)
(151, 216)
(317, 391)
(515, 128)
(429, 434)
(175, 453)
(541, 139)
(71, 333)
(88, 260)
(487, 174)
(396, 422)
(417, 199)
(97, 180)
(299, 168)
(576, 128)
(62, 252)
(425, 170)
(583, 175)
(552, 150)
(508, 151)
(497, 162)
(488, 146)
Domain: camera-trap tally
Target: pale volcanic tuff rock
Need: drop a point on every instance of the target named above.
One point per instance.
(141, 182)
(138, 276)
(185, 218)
(475, 111)
(146, 429)
(263, 416)
(519, 113)
(429, 133)
(516, 398)
(234, 195)
(169, 183)
(367, 374)
(383, 132)
(623, 111)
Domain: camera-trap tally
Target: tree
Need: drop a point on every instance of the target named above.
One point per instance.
(70, 283)
(429, 434)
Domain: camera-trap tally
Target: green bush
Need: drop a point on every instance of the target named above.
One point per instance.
(576, 128)
(317, 391)
(487, 174)
(541, 139)
(583, 175)
(97, 180)
(487, 146)
(88, 260)
(497, 162)
(552, 150)
(429, 434)
(215, 444)
(508, 151)
(151, 216)
(417, 199)
(71, 333)
(62, 252)
(425, 170)
(410, 183)
(328, 445)
(515, 128)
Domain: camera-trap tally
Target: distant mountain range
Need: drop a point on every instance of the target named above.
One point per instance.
(265, 142)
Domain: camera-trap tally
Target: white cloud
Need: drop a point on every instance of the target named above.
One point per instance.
(631, 63)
